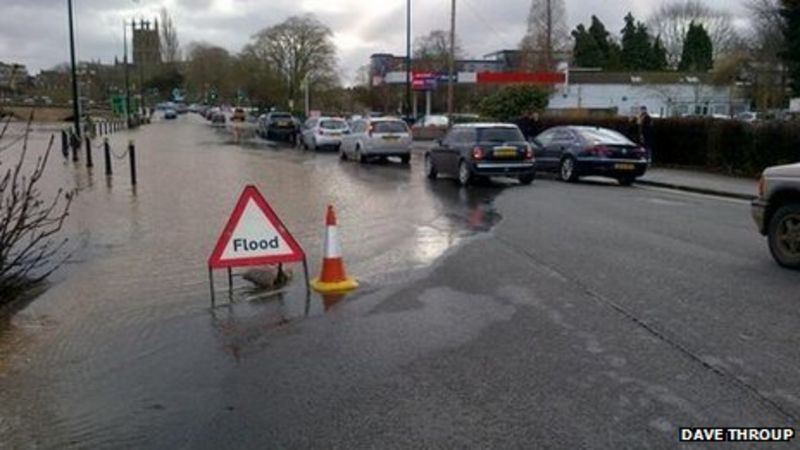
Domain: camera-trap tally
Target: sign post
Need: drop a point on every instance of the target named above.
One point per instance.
(254, 236)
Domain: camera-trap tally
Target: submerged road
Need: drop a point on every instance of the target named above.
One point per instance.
(549, 316)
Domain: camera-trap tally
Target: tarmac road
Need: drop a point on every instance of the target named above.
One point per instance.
(550, 316)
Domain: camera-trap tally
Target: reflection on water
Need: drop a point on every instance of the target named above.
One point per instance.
(124, 349)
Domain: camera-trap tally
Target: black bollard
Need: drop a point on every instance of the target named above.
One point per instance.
(107, 153)
(89, 162)
(132, 156)
(76, 145)
(64, 144)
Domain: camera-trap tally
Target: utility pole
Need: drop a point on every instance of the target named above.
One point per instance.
(127, 80)
(307, 102)
(408, 57)
(140, 64)
(548, 56)
(76, 113)
(451, 71)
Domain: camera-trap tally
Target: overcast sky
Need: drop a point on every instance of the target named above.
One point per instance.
(35, 32)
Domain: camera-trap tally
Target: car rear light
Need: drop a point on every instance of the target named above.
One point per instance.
(599, 150)
(371, 130)
(477, 153)
(529, 152)
(321, 132)
(762, 187)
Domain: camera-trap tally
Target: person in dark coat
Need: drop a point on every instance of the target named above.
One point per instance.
(530, 125)
(646, 131)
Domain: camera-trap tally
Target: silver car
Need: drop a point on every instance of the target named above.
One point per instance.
(378, 137)
(777, 213)
(324, 132)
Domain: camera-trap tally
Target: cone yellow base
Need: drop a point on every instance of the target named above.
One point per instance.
(342, 286)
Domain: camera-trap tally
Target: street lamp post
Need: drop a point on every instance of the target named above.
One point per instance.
(408, 57)
(75, 107)
(127, 79)
(452, 60)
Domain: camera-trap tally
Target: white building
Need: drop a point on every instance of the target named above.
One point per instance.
(665, 94)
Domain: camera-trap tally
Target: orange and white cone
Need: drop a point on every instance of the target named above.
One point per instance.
(333, 277)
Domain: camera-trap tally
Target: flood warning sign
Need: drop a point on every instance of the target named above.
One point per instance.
(254, 235)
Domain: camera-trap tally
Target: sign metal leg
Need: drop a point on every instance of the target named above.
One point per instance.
(211, 283)
(308, 287)
(230, 283)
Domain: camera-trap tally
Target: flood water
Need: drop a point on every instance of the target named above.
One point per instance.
(126, 326)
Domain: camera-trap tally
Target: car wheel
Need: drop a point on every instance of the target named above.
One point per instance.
(305, 144)
(342, 153)
(527, 178)
(360, 157)
(405, 159)
(784, 236)
(464, 174)
(567, 170)
(626, 180)
(430, 169)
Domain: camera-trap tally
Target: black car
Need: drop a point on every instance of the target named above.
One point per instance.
(277, 126)
(576, 151)
(479, 150)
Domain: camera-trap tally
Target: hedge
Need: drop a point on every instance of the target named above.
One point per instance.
(732, 147)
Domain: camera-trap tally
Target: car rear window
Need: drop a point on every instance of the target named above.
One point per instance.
(390, 127)
(281, 116)
(333, 124)
(499, 134)
(597, 136)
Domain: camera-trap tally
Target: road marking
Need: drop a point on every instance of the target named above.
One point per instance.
(694, 195)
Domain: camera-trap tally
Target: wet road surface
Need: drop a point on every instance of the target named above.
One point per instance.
(590, 316)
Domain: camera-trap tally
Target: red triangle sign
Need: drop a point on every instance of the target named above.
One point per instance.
(254, 236)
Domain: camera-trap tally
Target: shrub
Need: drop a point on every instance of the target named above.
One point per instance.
(511, 102)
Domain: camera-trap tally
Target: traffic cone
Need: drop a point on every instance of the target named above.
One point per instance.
(333, 277)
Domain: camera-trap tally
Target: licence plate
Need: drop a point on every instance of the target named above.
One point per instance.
(624, 166)
(505, 153)
(334, 134)
(283, 124)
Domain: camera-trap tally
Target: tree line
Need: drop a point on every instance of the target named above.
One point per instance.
(638, 49)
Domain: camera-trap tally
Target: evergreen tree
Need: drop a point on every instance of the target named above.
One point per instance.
(790, 12)
(587, 52)
(658, 56)
(636, 50)
(697, 53)
(602, 38)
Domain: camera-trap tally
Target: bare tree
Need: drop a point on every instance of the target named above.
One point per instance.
(433, 50)
(672, 19)
(766, 28)
(29, 222)
(298, 47)
(170, 47)
(547, 34)
(208, 71)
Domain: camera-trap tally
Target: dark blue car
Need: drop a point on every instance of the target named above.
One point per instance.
(576, 151)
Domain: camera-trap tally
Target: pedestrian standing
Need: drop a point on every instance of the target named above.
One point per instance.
(530, 125)
(646, 131)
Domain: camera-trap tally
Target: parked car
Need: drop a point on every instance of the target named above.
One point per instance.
(430, 127)
(218, 118)
(278, 126)
(181, 108)
(377, 138)
(238, 115)
(170, 114)
(776, 212)
(469, 151)
(576, 151)
(324, 132)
